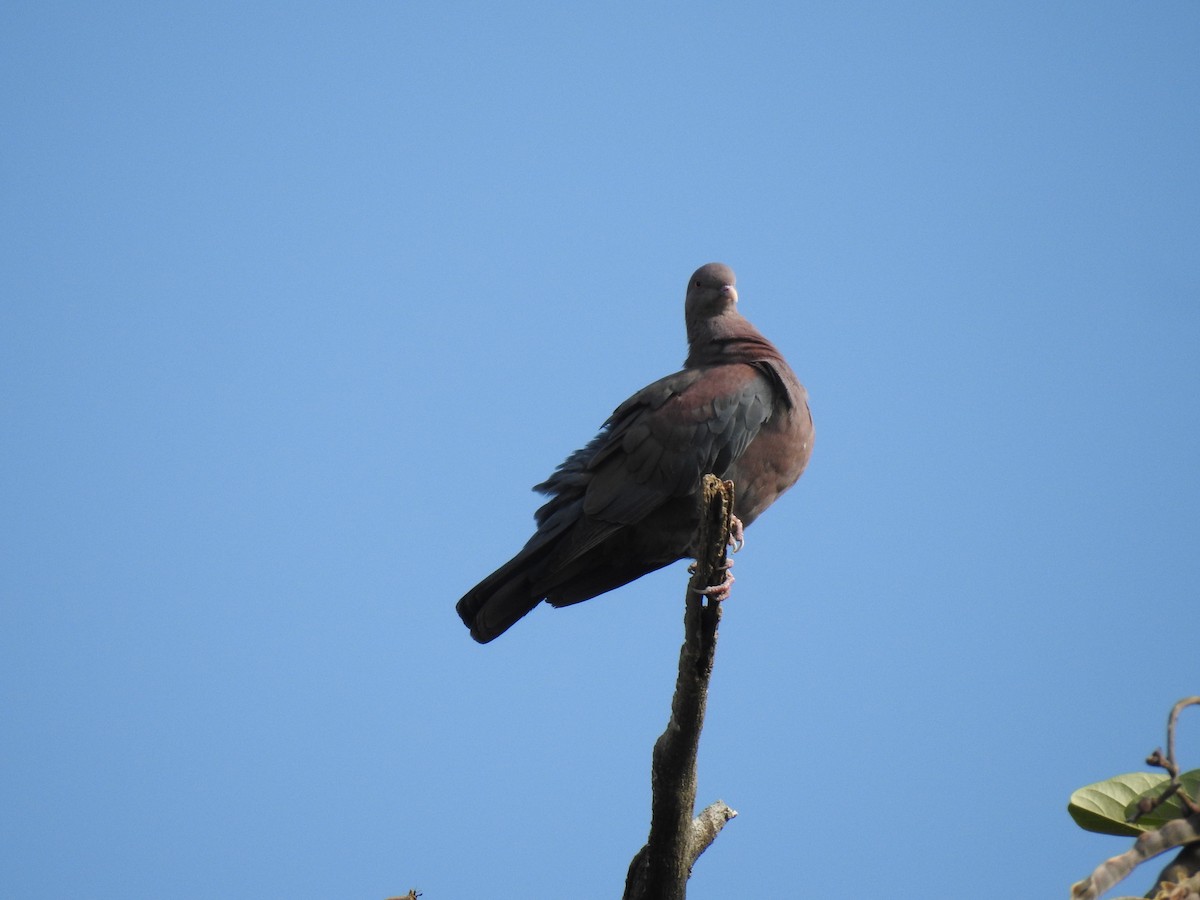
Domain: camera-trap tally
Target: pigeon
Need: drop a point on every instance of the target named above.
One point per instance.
(627, 503)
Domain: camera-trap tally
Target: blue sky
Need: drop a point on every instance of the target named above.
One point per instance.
(299, 300)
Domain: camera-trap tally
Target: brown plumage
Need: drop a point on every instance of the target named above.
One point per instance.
(626, 504)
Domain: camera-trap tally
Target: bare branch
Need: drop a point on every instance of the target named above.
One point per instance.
(707, 825)
(660, 870)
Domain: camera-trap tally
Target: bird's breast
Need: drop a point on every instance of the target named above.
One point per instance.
(773, 462)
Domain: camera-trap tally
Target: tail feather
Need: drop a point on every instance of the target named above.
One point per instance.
(537, 573)
(496, 604)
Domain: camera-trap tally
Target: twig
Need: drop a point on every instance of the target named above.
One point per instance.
(660, 870)
(1173, 834)
(1171, 764)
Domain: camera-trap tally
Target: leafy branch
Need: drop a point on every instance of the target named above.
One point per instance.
(1161, 810)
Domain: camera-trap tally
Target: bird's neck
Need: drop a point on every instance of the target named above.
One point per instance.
(726, 338)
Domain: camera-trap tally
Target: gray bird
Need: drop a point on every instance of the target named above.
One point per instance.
(627, 503)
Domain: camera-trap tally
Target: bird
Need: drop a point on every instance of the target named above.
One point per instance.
(627, 503)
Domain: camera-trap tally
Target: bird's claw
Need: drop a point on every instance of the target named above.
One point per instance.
(737, 534)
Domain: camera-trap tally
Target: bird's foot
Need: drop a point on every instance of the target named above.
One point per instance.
(718, 592)
(737, 534)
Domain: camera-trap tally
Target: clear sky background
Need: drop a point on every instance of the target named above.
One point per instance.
(298, 301)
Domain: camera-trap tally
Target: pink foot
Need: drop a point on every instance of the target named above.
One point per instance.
(718, 592)
(737, 534)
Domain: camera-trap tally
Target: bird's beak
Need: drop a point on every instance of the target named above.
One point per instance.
(729, 291)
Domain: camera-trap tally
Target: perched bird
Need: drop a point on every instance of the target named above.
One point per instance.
(627, 503)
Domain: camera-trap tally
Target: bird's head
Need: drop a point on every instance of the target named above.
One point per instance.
(710, 292)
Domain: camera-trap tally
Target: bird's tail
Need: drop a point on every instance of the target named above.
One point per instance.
(496, 604)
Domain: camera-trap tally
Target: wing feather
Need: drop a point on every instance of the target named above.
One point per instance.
(654, 447)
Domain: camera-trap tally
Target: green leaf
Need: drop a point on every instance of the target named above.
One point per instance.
(1172, 809)
(1100, 807)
